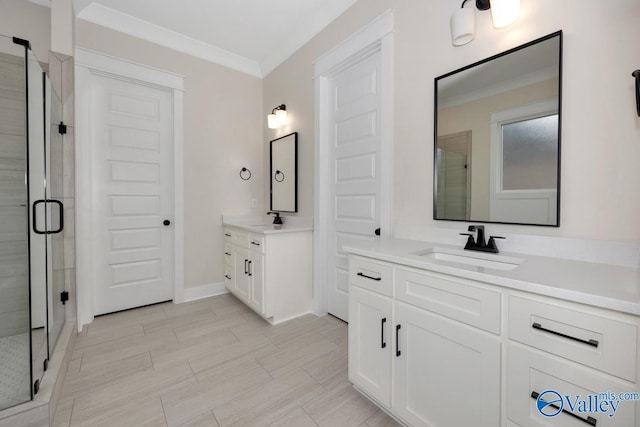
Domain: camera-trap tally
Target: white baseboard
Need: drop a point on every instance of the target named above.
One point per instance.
(204, 291)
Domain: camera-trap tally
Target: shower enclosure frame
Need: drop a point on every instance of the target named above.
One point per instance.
(42, 153)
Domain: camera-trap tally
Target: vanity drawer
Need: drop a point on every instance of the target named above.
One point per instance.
(239, 237)
(602, 343)
(531, 373)
(256, 242)
(371, 275)
(449, 296)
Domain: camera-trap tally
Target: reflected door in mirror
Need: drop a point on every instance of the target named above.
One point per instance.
(509, 106)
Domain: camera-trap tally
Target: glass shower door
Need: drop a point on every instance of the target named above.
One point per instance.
(38, 251)
(15, 363)
(47, 224)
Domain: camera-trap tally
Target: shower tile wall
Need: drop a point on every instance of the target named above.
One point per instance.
(14, 292)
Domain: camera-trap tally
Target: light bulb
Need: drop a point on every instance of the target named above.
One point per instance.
(281, 116)
(504, 12)
(272, 121)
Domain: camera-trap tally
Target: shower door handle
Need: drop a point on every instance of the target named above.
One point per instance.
(60, 216)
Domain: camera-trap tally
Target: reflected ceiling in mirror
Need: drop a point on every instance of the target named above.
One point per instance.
(497, 137)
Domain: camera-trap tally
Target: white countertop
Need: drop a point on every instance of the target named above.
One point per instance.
(601, 285)
(256, 226)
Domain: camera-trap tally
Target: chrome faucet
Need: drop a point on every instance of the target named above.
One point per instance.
(479, 244)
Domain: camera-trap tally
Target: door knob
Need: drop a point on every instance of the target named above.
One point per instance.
(166, 222)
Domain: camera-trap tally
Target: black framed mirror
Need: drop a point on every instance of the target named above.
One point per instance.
(497, 137)
(284, 173)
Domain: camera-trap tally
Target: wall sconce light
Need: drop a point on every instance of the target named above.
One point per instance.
(278, 117)
(463, 21)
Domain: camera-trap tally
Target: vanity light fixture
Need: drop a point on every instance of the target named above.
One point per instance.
(278, 117)
(463, 21)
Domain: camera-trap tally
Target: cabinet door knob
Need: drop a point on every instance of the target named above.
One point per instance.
(166, 222)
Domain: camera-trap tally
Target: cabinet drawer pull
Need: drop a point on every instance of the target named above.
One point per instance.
(246, 269)
(227, 253)
(589, 420)
(227, 234)
(227, 276)
(255, 243)
(250, 268)
(398, 353)
(377, 279)
(382, 343)
(592, 343)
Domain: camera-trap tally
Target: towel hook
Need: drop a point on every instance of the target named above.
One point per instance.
(243, 174)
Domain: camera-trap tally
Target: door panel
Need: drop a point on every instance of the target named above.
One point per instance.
(355, 190)
(133, 182)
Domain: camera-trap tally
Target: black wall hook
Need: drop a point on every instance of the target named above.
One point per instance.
(636, 74)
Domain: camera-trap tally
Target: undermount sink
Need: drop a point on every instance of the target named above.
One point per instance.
(479, 259)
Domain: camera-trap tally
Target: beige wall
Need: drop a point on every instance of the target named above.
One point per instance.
(475, 116)
(26, 20)
(222, 134)
(600, 132)
(292, 84)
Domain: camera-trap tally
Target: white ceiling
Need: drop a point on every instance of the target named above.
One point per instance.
(252, 36)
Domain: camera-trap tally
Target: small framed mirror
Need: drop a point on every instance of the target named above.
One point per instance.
(284, 173)
(497, 137)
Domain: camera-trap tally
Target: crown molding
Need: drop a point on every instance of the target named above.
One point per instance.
(124, 23)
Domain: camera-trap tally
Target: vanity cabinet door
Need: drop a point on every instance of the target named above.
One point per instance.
(446, 373)
(241, 268)
(370, 343)
(256, 279)
(532, 374)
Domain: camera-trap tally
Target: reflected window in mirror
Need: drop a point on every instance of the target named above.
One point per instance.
(497, 139)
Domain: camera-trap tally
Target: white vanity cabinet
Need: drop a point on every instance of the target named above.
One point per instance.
(271, 273)
(574, 350)
(436, 350)
(424, 368)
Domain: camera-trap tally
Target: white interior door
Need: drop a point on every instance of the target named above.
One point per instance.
(133, 190)
(354, 203)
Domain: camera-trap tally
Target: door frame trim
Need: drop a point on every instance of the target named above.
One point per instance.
(377, 32)
(88, 62)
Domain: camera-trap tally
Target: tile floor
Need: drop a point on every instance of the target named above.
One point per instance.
(213, 362)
